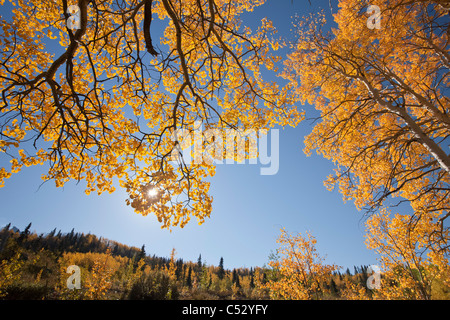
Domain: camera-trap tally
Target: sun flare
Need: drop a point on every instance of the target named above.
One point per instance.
(152, 192)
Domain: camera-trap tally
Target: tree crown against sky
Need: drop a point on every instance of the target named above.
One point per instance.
(383, 100)
(107, 106)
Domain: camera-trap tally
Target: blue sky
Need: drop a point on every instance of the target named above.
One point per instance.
(248, 209)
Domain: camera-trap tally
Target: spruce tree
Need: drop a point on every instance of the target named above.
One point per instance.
(24, 234)
(142, 253)
(115, 250)
(221, 272)
(199, 263)
(333, 287)
(178, 269)
(52, 233)
(210, 282)
(356, 270)
(199, 268)
(235, 278)
(189, 278)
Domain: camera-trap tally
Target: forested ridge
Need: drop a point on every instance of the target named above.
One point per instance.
(33, 266)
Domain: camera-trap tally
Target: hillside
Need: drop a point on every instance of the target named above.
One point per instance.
(35, 266)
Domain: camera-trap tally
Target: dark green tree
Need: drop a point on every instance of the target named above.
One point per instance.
(235, 278)
(179, 269)
(199, 263)
(333, 287)
(115, 250)
(24, 234)
(356, 270)
(189, 278)
(221, 272)
(138, 257)
(142, 253)
(52, 233)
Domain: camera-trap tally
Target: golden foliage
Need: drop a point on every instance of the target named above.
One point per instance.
(411, 255)
(384, 110)
(383, 103)
(171, 269)
(98, 112)
(97, 270)
(354, 291)
(301, 273)
(99, 280)
(10, 271)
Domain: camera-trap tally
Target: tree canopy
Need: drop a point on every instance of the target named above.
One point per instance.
(108, 104)
(383, 100)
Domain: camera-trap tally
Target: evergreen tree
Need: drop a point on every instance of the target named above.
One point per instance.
(252, 279)
(364, 275)
(221, 272)
(199, 264)
(70, 235)
(24, 234)
(198, 268)
(264, 278)
(235, 278)
(189, 278)
(333, 287)
(179, 269)
(6, 228)
(115, 250)
(137, 257)
(52, 233)
(210, 282)
(347, 272)
(142, 253)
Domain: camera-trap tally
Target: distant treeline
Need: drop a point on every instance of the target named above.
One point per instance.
(37, 262)
(33, 266)
(58, 243)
